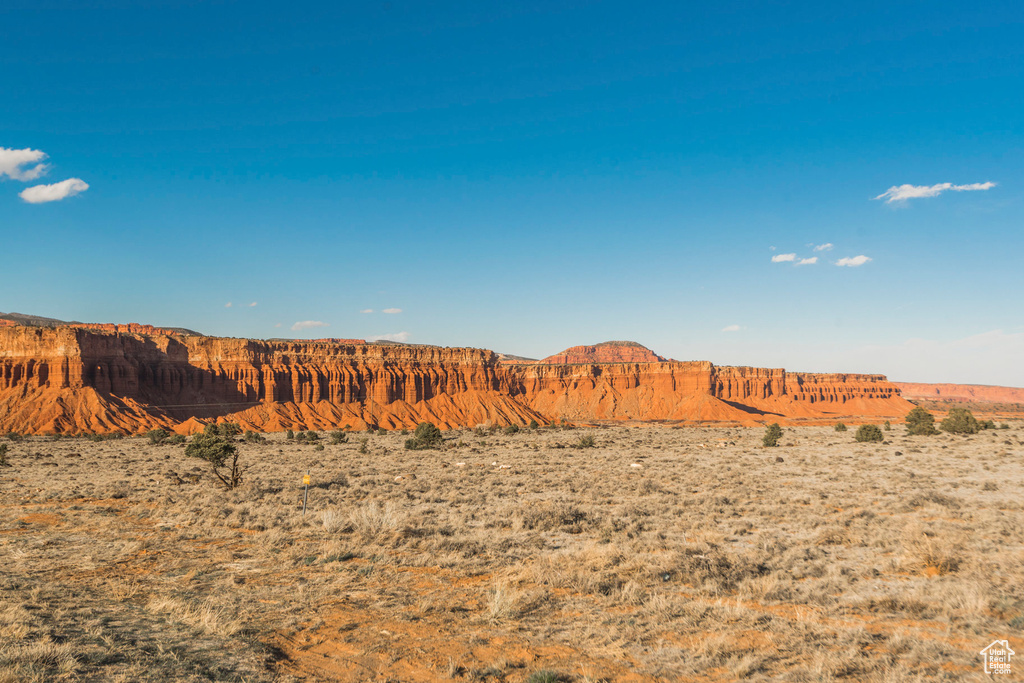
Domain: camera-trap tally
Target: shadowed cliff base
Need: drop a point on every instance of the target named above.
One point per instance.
(94, 379)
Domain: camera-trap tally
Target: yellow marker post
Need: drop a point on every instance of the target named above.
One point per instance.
(305, 496)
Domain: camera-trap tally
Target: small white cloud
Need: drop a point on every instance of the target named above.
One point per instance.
(252, 304)
(853, 261)
(228, 305)
(40, 194)
(771, 248)
(13, 161)
(366, 310)
(392, 311)
(308, 324)
(394, 336)
(807, 261)
(901, 193)
(731, 328)
(277, 325)
(824, 247)
(783, 258)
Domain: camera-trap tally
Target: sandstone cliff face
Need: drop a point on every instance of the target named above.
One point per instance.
(605, 352)
(71, 379)
(961, 392)
(701, 391)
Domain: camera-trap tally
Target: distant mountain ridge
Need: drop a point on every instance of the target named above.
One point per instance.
(978, 393)
(9, 319)
(605, 352)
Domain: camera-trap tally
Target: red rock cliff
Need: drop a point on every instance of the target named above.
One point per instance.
(976, 393)
(70, 379)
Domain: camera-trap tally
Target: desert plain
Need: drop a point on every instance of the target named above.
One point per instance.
(654, 554)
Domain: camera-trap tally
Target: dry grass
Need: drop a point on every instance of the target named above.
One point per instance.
(510, 556)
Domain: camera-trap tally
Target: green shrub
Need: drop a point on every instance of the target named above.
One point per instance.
(312, 436)
(220, 453)
(959, 421)
(338, 436)
(3, 455)
(920, 422)
(840, 427)
(289, 434)
(772, 435)
(868, 433)
(253, 437)
(112, 436)
(533, 425)
(176, 439)
(157, 436)
(511, 429)
(229, 429)
(14, 436)
(887, 427)
(986, 424)
(427, 435)
(586, 441)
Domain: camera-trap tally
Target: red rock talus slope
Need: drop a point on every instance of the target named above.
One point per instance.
(605, 352)
(68, 379)
(974, 393)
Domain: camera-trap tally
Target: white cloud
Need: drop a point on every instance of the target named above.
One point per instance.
(824, 247)
(393, 336)
(277, 325)
(252, 304)
(12, 162)
(853, 261)
(366, 310)
(782, 258)
(392, 311)
(228, 305)
(731, 328)
(807, 261)
(901, 193)
(308, 324)
(40, 194)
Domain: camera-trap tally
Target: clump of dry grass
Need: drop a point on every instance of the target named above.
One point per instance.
(205, 616)
(372, 522)
(35, 660)
(503, 601)
(932, 553)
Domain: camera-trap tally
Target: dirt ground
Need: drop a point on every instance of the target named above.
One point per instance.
(658, 554)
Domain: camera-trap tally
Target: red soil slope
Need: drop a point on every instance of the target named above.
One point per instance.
(69, 379)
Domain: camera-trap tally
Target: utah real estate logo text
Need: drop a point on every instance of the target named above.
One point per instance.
(997, 657)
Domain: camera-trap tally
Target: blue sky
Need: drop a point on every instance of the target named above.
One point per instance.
(528, 177)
